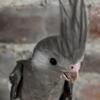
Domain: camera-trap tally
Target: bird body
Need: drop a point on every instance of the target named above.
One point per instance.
(42, 77)
(54, 66)
(40, 85)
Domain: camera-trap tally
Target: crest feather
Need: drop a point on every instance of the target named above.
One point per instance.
(73, 26)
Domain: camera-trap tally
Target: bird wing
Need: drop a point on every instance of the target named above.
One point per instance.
(16, 80)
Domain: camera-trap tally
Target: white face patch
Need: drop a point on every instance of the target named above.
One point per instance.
(40, 60)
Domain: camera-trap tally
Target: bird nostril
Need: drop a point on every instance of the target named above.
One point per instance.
(72, 67)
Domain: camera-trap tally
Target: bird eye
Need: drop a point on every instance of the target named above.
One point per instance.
(53, 61)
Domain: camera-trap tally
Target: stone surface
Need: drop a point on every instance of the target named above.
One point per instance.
(95, 22)
(4, 3)
(30, 23)
(87, 87)
(4, 89)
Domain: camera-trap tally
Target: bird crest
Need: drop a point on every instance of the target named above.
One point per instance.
(73, 27)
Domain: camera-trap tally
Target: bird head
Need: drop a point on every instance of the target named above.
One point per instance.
(48, 59)
(64, 53)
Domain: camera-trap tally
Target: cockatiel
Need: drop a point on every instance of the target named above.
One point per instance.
(54, 58)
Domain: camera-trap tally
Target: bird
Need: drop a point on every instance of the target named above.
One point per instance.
(55, 60)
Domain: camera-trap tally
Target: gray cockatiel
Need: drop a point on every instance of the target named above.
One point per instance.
(55, 59)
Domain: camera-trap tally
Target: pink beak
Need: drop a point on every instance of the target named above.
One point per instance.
(73, 72)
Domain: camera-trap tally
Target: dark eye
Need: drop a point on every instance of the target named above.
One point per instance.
(53, 61)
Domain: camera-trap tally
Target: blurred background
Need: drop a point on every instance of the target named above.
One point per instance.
(24, 22)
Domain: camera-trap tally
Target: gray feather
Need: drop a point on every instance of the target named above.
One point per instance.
(73, 27)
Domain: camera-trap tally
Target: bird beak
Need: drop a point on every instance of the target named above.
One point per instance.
(72, 74)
